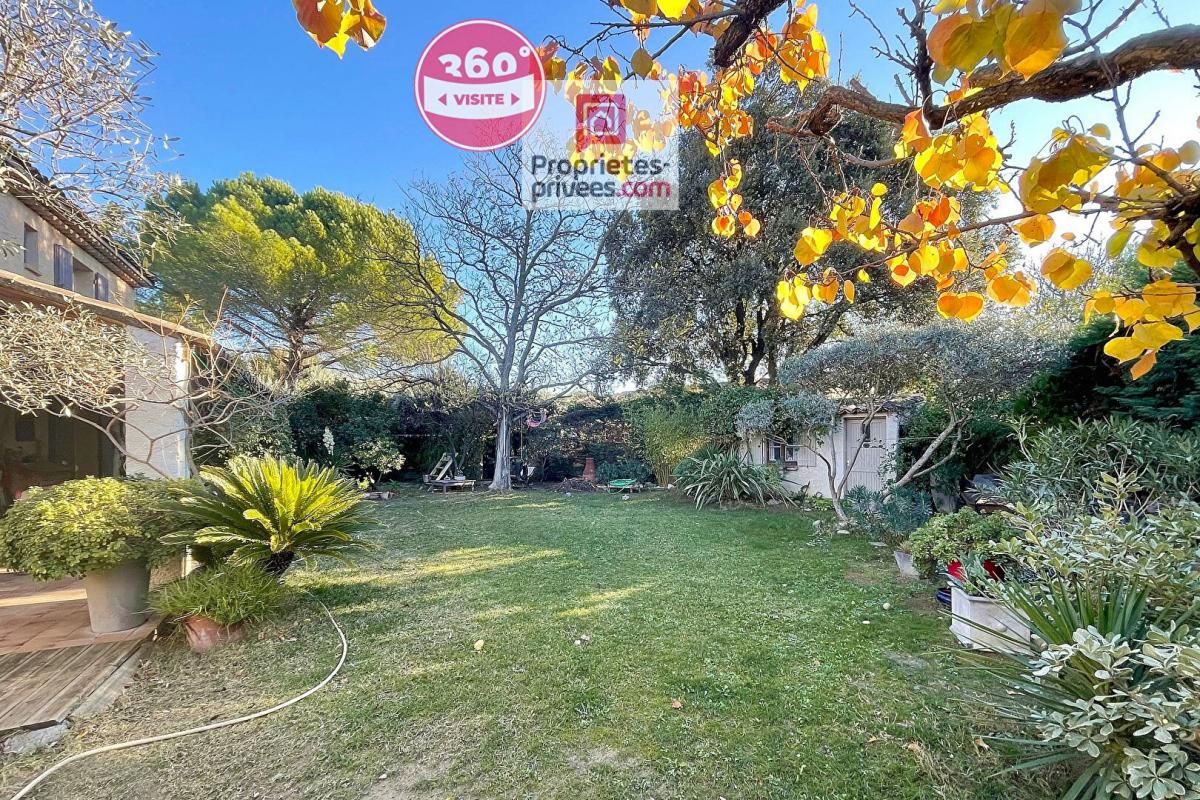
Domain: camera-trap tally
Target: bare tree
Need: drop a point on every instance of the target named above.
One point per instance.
(71, 108)
(529, 313)
(145, 392)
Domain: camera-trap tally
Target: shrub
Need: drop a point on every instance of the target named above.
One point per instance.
(949, 537)
(622, 469)
(1112, 683)
(666, 437)
(270, 511)
(889, 520)
(727, 478)
(1063, 468)
(86, 525)
(226, 595)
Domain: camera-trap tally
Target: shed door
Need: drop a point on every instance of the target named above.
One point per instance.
(867, 468)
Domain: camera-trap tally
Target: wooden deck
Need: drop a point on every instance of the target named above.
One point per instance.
(42, 688)
(50, 660)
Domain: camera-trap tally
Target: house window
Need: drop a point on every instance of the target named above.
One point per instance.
(82, 278)
(796, 452)
(62, 440)
(64, 268)
(25, 429)
(30, 243)
(102, 292)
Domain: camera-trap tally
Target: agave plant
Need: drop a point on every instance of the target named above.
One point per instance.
(271, 511)
(727, 478)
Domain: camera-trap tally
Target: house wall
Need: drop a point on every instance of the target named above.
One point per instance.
(14, 216)
(873, 469)
(156, 428)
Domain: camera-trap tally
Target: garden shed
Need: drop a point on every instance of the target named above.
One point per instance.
(803, 462)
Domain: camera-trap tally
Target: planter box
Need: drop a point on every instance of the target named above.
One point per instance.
(905, 563)
(977, 622)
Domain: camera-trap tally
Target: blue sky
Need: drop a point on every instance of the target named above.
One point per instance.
(245, 89)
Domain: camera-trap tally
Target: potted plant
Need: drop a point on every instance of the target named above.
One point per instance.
(938, 543)
(103, 530)
(980, 619)
(213, 605)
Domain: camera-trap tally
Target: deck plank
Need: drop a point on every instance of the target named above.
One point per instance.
(41, 688)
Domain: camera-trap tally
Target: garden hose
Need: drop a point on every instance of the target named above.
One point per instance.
(29, 787)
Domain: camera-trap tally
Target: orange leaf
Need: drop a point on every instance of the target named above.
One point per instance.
(1034, 41)
(1035, 230)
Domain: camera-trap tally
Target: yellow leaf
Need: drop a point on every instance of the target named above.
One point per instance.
(1116, 243)
(1143, 365)
(848, 290)
(1010, 290)
(1101, 130)
(879, 190)
(1123, 348)
(961, 41)
(750, 224)
(1035, 230)
(966, 306)
(1154, 335)
(642, 62)
(718, 195)
(1034, 41)
(672, 9)
(812, 244)
(724, 225)
(1065, 270)
(864, 276)
(1189, 152)
(646, 8)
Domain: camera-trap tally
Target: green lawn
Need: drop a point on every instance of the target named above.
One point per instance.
(596, 614)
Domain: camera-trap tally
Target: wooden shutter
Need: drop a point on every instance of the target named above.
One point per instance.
(64, 268)
(101, 285)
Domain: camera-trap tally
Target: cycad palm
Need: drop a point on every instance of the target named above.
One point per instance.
(271, 511)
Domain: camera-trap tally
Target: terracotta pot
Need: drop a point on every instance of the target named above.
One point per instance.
(116, 597)
(203, 634)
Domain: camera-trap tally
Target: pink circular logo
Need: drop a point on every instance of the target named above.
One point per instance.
(480, 85)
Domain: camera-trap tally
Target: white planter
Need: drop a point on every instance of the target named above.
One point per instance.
(117, 597)
(979, 622)
(905, 563)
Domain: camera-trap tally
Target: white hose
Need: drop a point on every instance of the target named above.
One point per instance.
(108, 748)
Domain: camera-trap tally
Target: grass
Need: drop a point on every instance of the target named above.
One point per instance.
(632, 648)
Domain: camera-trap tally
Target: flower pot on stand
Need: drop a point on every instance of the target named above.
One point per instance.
(203, 634)
(982, 623)
(116, 597)
(905, 562)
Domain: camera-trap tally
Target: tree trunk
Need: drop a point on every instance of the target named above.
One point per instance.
(502, 476)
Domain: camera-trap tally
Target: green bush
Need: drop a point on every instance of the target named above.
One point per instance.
(951, 536)
(89, 524)
(889, 520)
(727, 478)
(1062, 469)
(666, 436)
(622, 469)
(1111, 685)
(270, 511)
(226, 595)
